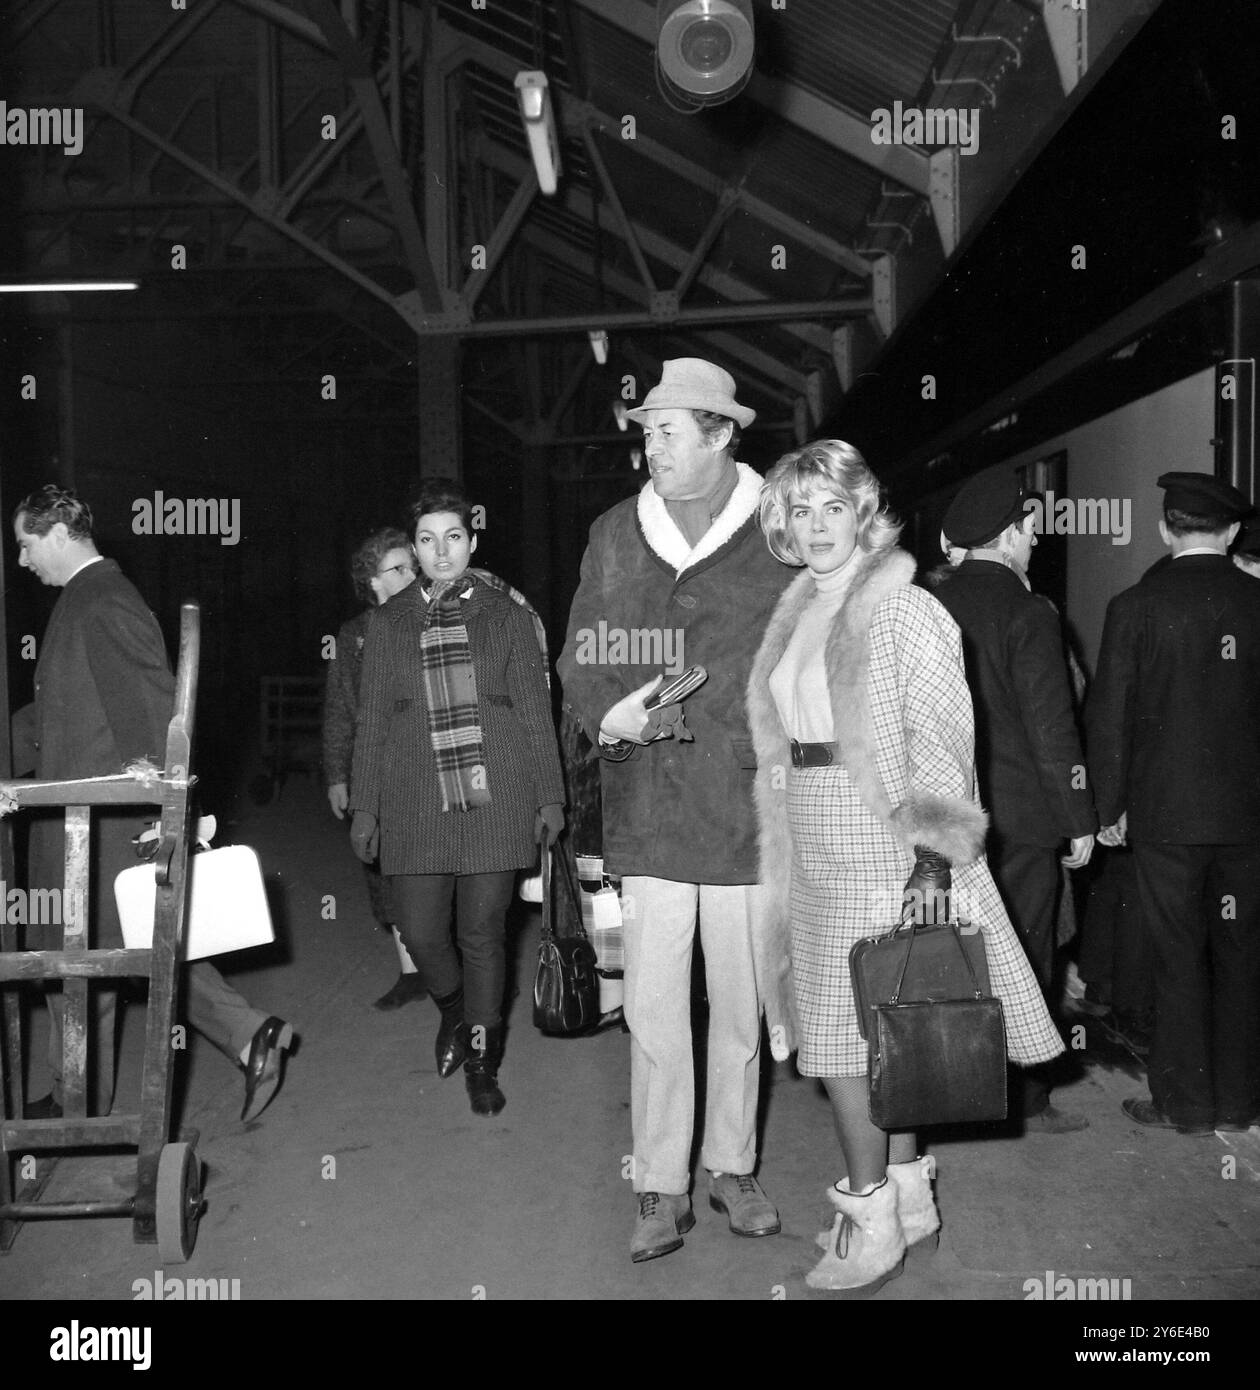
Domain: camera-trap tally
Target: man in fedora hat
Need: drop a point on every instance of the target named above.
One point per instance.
(1028, 751)
(683, 563)
(1173, 723)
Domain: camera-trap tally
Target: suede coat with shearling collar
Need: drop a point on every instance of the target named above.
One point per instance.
(675, 810)
(904, 726)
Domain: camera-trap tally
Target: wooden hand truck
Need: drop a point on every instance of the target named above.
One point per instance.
(167, 1203)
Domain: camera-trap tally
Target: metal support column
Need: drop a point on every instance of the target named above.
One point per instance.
(1236, 388)
(440, 408)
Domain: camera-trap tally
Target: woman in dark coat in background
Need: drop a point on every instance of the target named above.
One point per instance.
(456, 776)
(384, 565)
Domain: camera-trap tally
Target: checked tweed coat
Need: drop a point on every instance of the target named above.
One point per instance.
(837, 843)
(395, 776)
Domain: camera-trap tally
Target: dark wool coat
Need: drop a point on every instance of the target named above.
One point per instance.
(903, 723)
(394, 773)
(104, 695)
(675, 810)
(1028, 751)
(341, 698)
(1173, 719)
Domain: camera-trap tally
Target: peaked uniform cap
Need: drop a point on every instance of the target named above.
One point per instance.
(1201, 494)
(985, 506)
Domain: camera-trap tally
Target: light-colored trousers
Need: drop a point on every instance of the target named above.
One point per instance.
(659, 929)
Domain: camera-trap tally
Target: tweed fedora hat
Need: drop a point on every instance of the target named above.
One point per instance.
(691, 383)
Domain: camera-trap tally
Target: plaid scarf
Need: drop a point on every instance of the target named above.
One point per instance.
(450, 688)
(516, 596)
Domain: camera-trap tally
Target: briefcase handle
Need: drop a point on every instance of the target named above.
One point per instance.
(914, 929)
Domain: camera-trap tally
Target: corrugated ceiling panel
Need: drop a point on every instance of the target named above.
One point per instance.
(858, 53)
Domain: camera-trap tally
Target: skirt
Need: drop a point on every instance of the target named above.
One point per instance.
(848, 873)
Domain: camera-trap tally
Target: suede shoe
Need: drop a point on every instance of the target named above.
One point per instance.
(1146, 1112)
(664, 1218)
(750, 1211)
(1054, 1121)
(1227, 1124)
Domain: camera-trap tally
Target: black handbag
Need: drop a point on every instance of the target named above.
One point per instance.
(566, 987)
(936, 1041)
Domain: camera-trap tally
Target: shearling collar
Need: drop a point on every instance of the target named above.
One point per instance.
(663, 537)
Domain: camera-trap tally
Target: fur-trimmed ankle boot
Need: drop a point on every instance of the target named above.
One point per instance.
(865, 1247)
(916, 1206)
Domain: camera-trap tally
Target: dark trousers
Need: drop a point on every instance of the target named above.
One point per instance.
(1201, 905)
(1115, 955)
(423, 905)
(1027, 877)
(379, 895)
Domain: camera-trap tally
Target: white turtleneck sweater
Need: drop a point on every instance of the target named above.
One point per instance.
(798, 683)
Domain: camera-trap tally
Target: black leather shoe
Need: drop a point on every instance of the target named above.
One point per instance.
(481, 1075)
(45, 1108)
(265, 1069)
(405, 990)
(450, 1047)
(1146, 1112)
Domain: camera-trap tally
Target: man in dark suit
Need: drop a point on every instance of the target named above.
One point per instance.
(1028, 753)
(1173, 726)
(103, 699)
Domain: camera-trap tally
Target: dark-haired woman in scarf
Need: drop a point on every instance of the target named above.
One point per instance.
(456, 776)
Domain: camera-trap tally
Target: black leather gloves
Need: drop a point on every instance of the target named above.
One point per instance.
(925, 898)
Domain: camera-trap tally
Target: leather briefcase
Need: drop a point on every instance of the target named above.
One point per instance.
(939, 1059)
(935, 969)
(566, 986)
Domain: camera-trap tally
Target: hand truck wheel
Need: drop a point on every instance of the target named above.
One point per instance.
(178, 1202)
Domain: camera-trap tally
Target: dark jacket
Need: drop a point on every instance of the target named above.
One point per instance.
(104, 695)
(341, 698)
(1028, 752)
(394, 773)
(675, 810)
(1173, 719)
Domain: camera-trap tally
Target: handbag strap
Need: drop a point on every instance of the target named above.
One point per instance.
(914, 930)
(548, 930)
(566, 874)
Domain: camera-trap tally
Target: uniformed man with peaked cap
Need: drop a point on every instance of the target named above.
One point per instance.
(1028, 750)
(1173, 725)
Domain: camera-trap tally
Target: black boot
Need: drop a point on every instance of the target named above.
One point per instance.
(405, 990)
(451, 1046)
(481, 1075)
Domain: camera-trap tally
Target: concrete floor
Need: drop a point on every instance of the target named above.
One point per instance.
(368, 1177)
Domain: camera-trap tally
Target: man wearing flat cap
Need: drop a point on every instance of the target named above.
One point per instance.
(1173, 725)
(1028, 752)
(683, 562)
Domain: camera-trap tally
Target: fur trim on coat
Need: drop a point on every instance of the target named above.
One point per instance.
(952, 825)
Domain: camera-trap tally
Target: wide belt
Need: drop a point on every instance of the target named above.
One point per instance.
(814, 754)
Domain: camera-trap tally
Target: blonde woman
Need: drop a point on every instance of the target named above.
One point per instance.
(862, 725)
